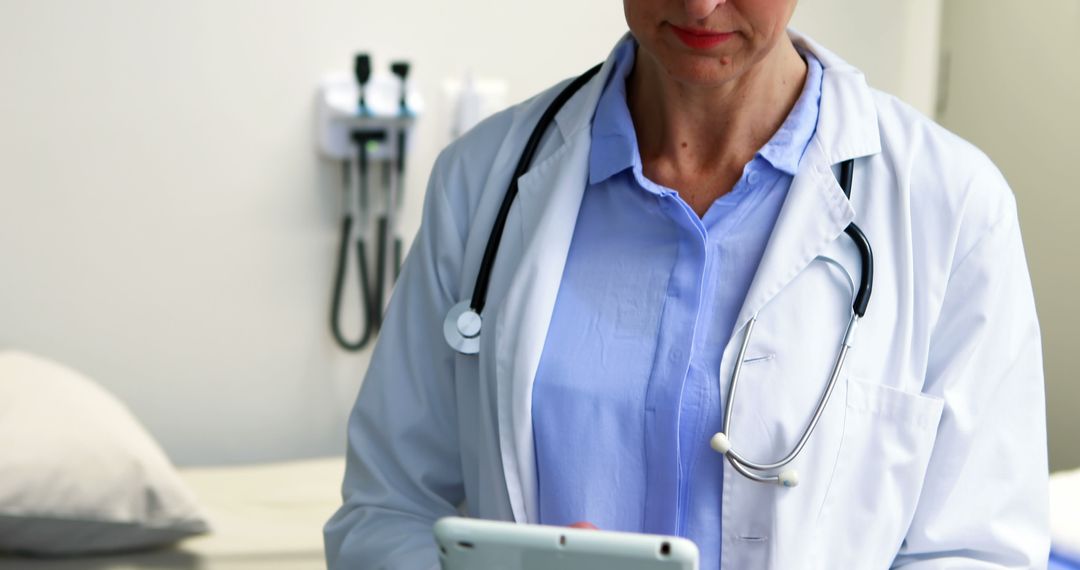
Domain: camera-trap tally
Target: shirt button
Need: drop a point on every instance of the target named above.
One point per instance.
(675, 356)
(753, 178)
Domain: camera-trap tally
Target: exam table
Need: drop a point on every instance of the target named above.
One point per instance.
(265, 517)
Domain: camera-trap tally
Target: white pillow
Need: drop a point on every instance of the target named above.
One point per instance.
(78, 474)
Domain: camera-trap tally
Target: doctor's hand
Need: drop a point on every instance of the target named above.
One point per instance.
(583, 524)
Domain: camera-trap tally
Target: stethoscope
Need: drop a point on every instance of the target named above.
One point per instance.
(463, 322)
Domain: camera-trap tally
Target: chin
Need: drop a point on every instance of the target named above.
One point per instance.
(702, 71)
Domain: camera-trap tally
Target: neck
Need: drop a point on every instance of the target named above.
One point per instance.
(711, 129)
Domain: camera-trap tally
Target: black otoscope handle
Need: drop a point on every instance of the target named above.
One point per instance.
(400, 196)
(401, 69)
(380, 272)
(362, 72)
(397, 258)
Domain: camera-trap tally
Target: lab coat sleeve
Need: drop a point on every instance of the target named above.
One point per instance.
(403, 468)
(984, 502)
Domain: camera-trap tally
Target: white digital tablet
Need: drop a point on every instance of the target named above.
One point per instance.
(472, 544)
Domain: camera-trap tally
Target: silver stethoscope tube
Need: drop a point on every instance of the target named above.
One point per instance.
(463, 323)
(721, 442)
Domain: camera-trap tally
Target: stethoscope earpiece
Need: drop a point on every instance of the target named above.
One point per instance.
(720, 443)
(788, 478)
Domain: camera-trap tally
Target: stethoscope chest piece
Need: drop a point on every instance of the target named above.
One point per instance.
(462, 328)
(463, 323)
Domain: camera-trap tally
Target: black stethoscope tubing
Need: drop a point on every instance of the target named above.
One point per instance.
(487, 263)
(463, 324)
(866, 254)
(483, 276)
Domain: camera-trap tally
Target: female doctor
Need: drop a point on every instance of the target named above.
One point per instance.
(683, 226)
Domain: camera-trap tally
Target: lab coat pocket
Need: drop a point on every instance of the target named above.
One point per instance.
(888, 437)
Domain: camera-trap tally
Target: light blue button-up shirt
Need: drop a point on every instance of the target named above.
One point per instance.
(627, 391)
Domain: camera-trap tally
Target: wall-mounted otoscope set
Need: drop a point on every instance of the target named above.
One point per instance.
(364, 122)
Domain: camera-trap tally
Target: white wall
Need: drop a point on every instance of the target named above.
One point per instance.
(166, 227)
(894, 43)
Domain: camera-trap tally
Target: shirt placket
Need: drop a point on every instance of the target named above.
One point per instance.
(671, 397)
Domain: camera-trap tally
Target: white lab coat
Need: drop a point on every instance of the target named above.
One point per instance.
(932, 451)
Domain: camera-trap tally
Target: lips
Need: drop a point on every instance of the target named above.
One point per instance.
(701, 39)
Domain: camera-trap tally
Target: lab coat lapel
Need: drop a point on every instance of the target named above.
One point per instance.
(816, 211)
(549, 198)
(811, 220)
(814, 214)
(551, 194)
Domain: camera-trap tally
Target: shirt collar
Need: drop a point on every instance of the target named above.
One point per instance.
(614, 140)
(787, 145)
